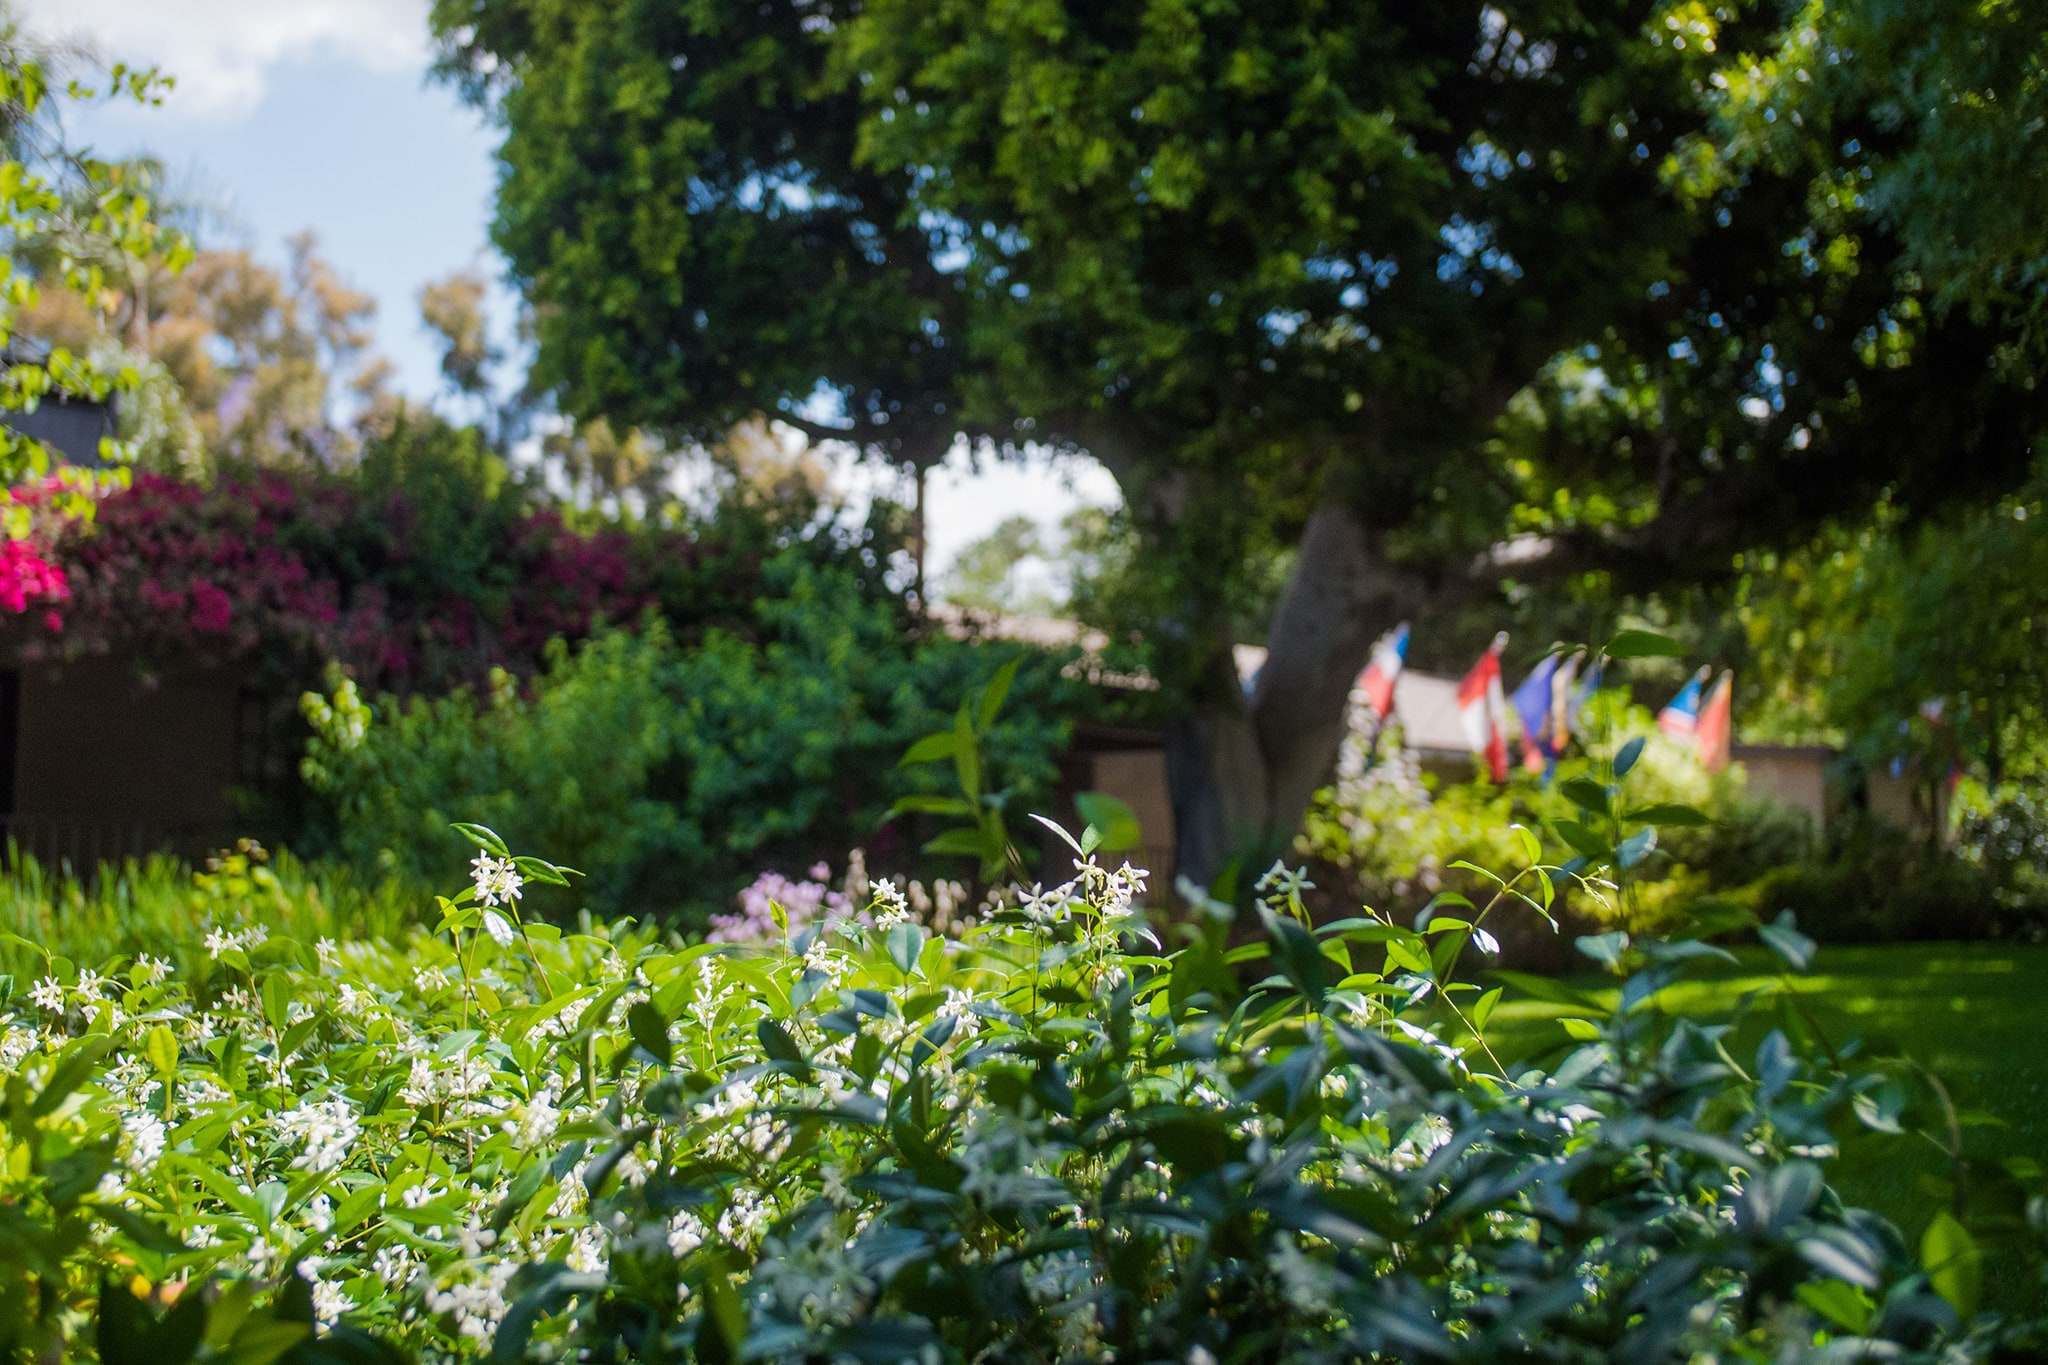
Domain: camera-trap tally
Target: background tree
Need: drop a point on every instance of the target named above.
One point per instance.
(73, 224)
(269, 365)
(1284, 270)
(985, 574)
(453, 310)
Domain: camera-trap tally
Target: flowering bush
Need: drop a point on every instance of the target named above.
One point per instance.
(1041, 1139)
(773, 906)
(28, 580)
(421, 569)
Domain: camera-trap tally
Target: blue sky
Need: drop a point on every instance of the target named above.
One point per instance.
(290, 114)
(321, 131)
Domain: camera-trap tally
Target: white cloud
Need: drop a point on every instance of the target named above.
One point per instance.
(222, 52)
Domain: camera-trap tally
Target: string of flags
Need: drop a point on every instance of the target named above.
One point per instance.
(1549, 704)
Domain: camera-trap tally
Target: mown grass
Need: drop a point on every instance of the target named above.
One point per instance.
(1971, 1014)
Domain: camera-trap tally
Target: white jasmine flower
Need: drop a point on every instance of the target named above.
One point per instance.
(686, 1232)
(329, 1302)
(326, 1127)
(154, 969)
(260, 1255)
(145, 1138)
(475, 1239)
(48, 995)
(533, 1122)
(394, 1265)
(497, 880)
(586, 1251)
(88, 986)
(422, 1086)
(499, 928)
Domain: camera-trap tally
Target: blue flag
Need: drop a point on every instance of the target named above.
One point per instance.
(1532, 703)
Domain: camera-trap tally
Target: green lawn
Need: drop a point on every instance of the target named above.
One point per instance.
(1970, 1013)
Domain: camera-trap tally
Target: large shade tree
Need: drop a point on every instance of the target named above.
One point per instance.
(1284, 268)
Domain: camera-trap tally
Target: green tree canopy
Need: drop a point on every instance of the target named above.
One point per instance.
(1286, 269)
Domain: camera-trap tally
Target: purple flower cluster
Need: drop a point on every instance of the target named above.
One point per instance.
(803, 902)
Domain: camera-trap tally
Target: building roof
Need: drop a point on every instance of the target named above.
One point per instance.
(1425, 705)
(1045, 632)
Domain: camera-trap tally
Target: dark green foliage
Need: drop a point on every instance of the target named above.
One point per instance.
(674, 771)
(1876, 884)
(1160, 1161)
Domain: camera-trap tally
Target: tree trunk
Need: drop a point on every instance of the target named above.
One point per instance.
(1242, 770)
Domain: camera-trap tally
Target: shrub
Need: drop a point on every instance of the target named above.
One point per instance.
(1393, 833)
(665, 768)
(2008, 838)
(1042, 1139)
(1875, 884)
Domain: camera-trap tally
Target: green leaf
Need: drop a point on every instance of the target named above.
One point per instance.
(1408, 953)
(917, 804)
(1582, 841)
(998, 689)
(905, 942)
(1482, 1009)
(966, 841)
(1581, 1030)
(260, 1341)
(649, 1030)
(778, 1044)
(1843, 1304)
(1606, 948)
(1638, 846)
(1782, 937)
(1668, 813)
(1113, 820)
(966, 755)
(1626, 758)
(483, 837)
(1643, 644)
(541, 870)
(1953, 1262)
(930, 749)
(1298, 956)
(1585, 793)
(1532, 847)
(162, 1050)
(1065, 837)
(74, 1067)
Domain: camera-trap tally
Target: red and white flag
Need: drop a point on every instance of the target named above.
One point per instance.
(1714, 732)
(1377, 682)
(1483, 709)
(1680, 717)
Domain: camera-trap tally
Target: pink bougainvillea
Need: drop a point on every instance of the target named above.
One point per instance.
(29, 580)
(291, 570)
